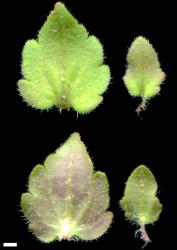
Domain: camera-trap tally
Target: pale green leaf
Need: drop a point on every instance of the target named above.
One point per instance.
(140, 204)
(63, 67)
(143, 76)
(66, 197)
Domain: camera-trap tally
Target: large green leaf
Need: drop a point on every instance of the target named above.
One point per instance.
(66, 197)
(64, 66)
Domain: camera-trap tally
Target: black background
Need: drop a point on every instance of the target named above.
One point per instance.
(117, 140)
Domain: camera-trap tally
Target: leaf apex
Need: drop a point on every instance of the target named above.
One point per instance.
(142, 168)
(142, 38)
(59, 5)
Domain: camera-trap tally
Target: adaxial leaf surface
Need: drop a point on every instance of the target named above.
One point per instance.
(143, 76)
(66, 197)
(140, 204)
(139, 201)
(64, 66)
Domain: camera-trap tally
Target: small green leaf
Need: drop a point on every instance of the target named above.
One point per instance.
(63, 67)
(139, 202)
(143, 75)
(65, 197)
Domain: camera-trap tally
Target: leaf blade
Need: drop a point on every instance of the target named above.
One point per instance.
(143, 75)
(71, 61)
(139, 201)
(61, 194)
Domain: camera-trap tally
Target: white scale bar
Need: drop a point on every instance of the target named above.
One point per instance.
(14, 244)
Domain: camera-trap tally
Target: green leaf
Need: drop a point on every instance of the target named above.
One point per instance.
(66, 197)
(139, 202)
(63, 67)
(143, 76)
